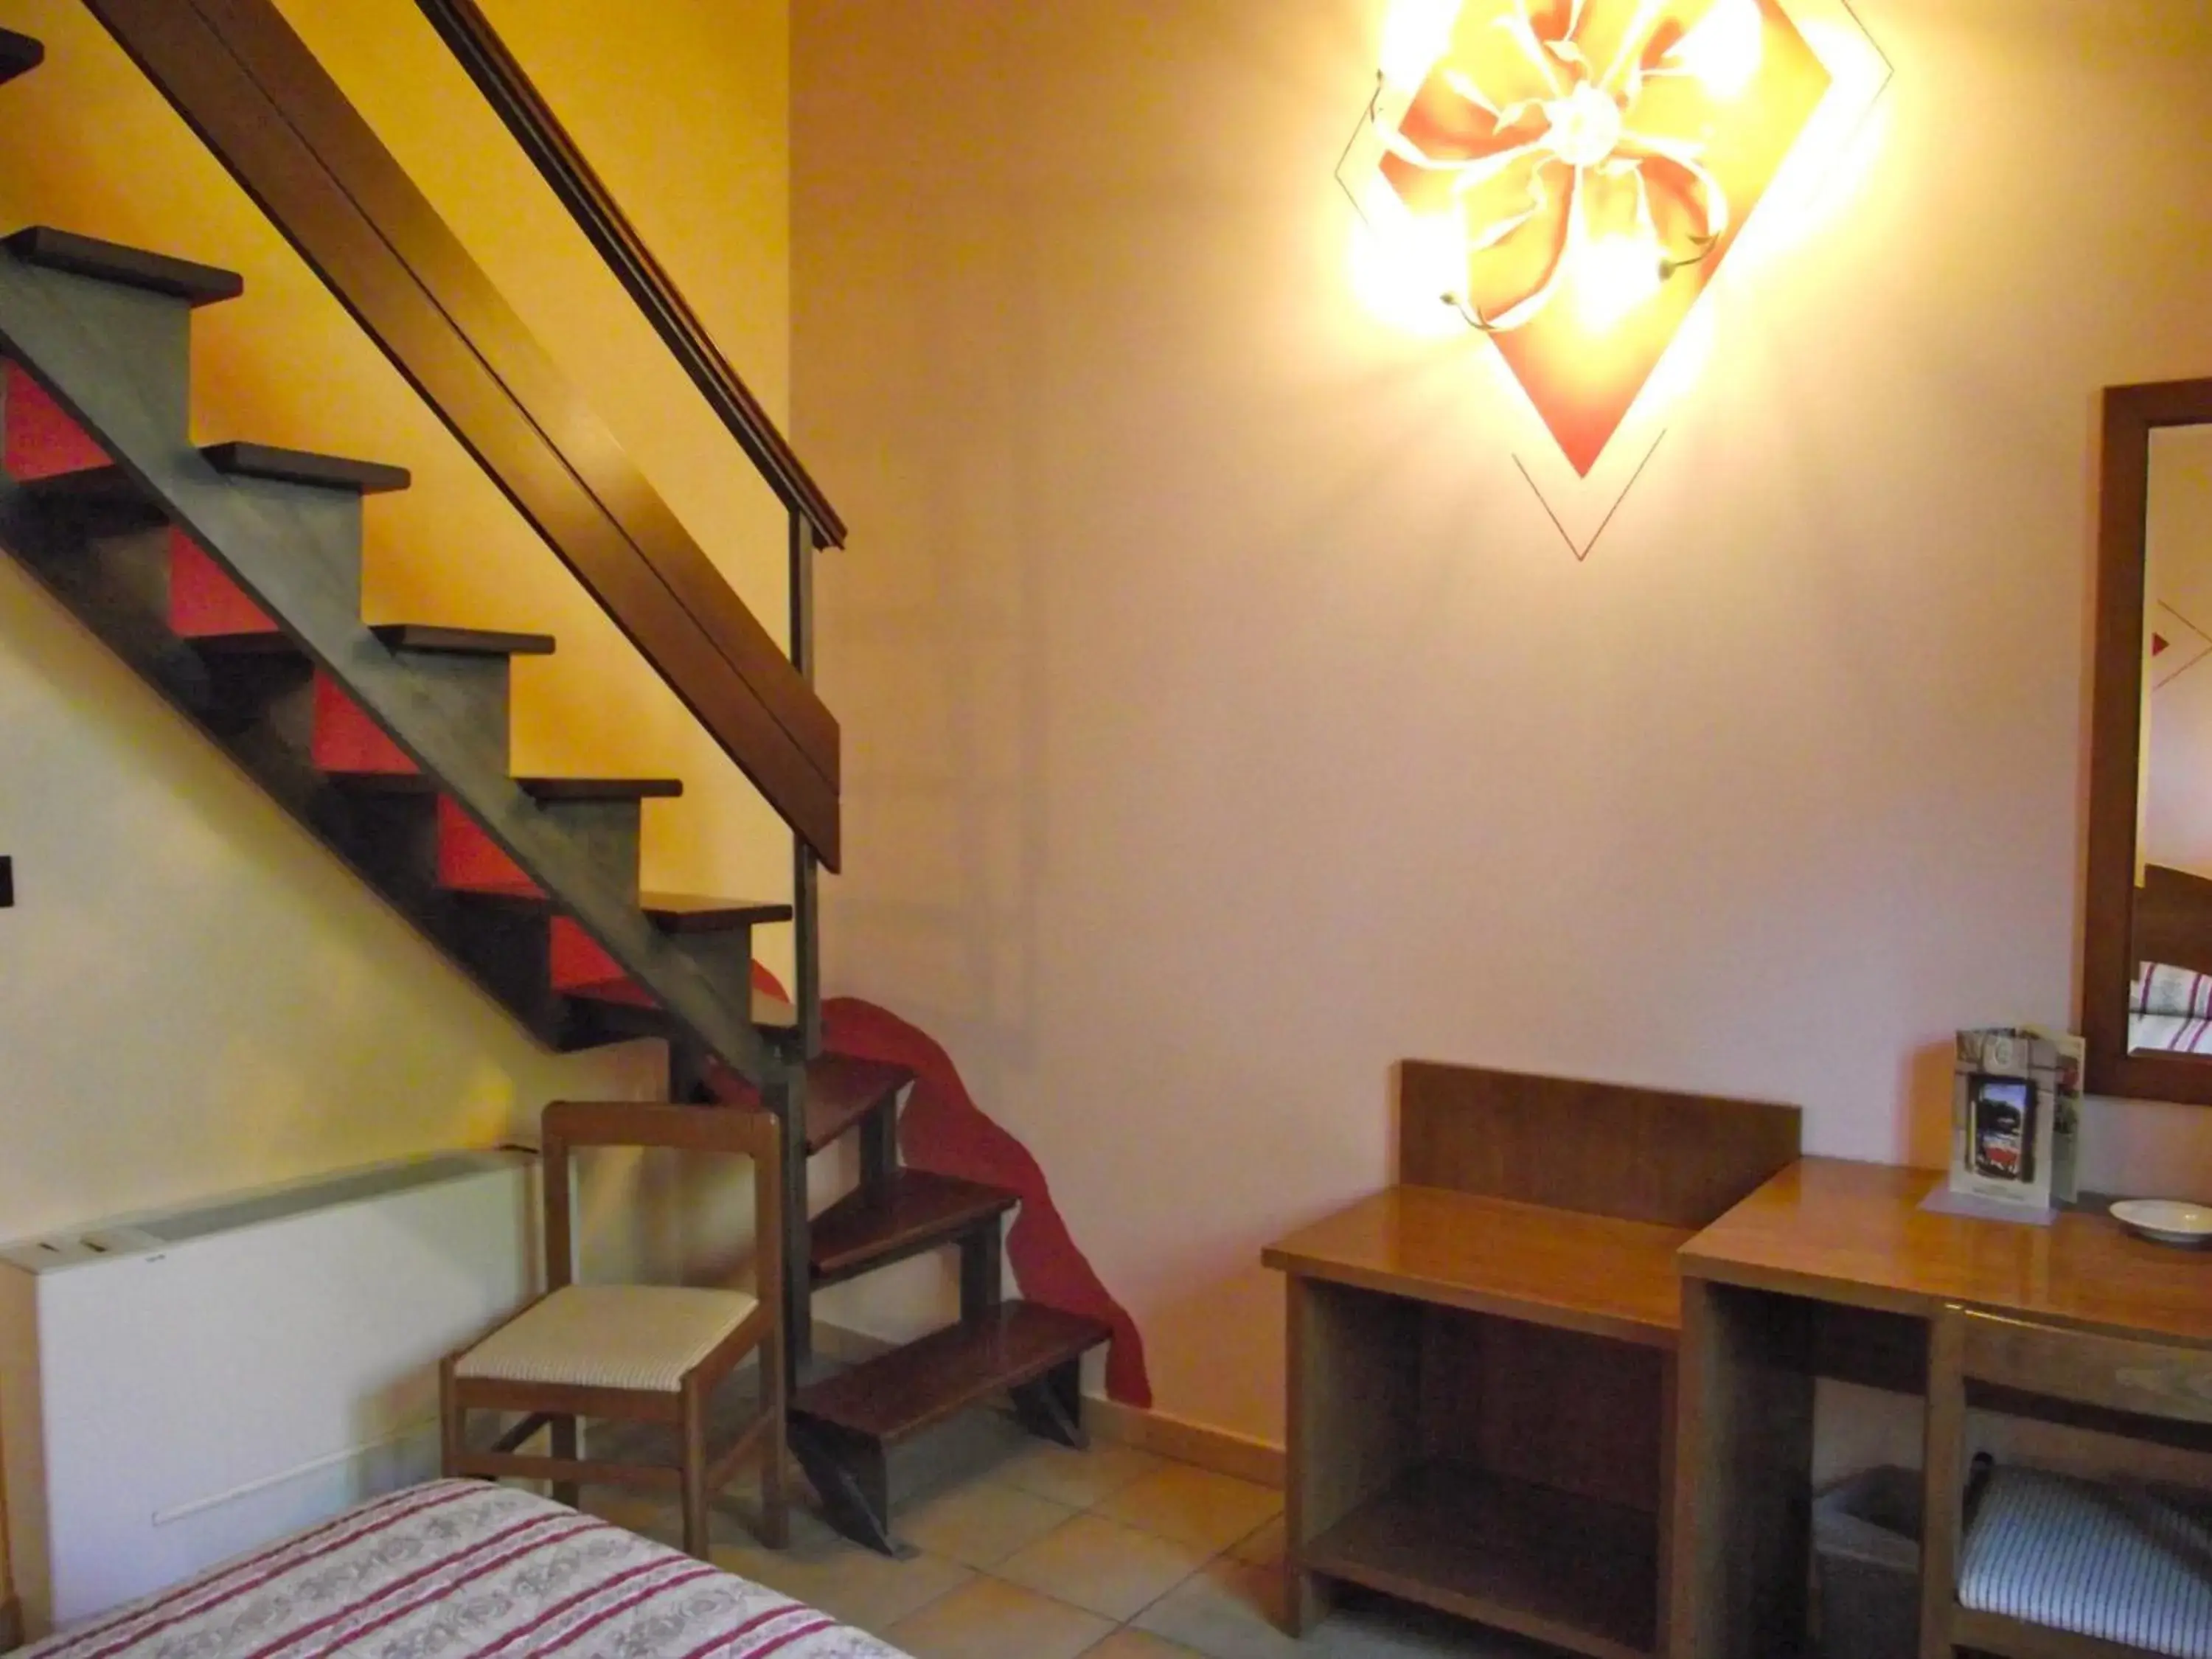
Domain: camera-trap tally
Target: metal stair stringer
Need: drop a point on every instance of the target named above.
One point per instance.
(97, 350)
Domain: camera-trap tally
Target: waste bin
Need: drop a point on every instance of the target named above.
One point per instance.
(1866, 1548)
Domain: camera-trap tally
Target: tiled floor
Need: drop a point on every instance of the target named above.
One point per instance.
(1025, 1550)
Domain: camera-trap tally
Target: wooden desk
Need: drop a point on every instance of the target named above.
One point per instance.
(1482, 1359)
(1832, 1268)
(1855, 1234)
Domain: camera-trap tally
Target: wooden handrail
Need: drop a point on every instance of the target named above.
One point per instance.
(249, 86)
(512, 94)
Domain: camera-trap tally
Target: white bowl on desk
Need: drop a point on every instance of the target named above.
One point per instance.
(2167, 1221)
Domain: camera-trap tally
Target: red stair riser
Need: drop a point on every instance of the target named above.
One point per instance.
(347, 741)
(469, 858)
(202, 598)
(41, 441)
(628, 992)
(578, 961)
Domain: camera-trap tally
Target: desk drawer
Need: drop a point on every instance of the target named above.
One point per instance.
(2149, 1378)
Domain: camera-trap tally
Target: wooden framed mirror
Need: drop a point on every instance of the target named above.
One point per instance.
(2147, 946)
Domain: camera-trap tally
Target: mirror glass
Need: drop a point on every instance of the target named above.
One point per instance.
(2170, 1002)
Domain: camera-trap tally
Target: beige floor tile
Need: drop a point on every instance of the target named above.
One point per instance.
(1226, 1611)
(734, 1518)
(1131, 1644)
(1193, 1506)
(979, 1523)
(845, 1581)
(1102, 1566)
(1079, 1479)
(1263, 1548)
(987, 1618)
(733, 1514)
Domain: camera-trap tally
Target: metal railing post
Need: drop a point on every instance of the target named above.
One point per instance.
(805, 874)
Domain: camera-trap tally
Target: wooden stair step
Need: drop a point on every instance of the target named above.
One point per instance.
(539, 789)
(550, 789)
(461, 642)
(918, 1211)
(300, 466)
(112, 503)
(897, 1394)
(255, 642)
(700, 913)
(107, 498)
(398, 636)
(19, 55)
(770, 1014)
(672, 913)
(111, 262)
(840, 1092)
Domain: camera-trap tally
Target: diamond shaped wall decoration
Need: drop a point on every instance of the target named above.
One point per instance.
(1570, 174)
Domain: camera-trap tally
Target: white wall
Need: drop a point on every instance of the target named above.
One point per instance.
(1226, 719)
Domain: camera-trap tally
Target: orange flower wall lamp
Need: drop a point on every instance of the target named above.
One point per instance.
(1571, 173)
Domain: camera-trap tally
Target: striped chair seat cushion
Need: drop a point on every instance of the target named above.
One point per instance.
(2121, 1563)
(642, 1337)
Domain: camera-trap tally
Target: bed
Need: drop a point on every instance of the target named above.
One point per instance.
(2170, 1011)
(460, 1570)
(2170, 1003)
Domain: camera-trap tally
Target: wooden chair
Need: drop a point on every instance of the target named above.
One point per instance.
(2035, 1564)
(633, 1353)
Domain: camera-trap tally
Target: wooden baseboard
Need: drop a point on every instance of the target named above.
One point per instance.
(1161, 1432)
(1222, 1451)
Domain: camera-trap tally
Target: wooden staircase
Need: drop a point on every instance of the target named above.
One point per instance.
(229, 577)
(844, 1425)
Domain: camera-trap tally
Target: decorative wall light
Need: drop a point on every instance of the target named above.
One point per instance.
(1570, 175)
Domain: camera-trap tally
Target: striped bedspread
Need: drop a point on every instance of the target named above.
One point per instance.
(459, 1570)
(2170, 1011)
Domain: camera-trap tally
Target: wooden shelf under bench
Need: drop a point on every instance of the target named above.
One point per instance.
(1577, 1572)
(1482, 1358)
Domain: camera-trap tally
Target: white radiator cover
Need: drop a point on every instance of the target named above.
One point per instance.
(178, 1387)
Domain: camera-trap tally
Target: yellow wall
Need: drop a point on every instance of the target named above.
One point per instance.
(196, 996)
(1226, 719)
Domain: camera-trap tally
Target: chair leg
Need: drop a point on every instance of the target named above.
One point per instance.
(775, 1457)
(452, 1437)
(564, 1446)
(695, 1471)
